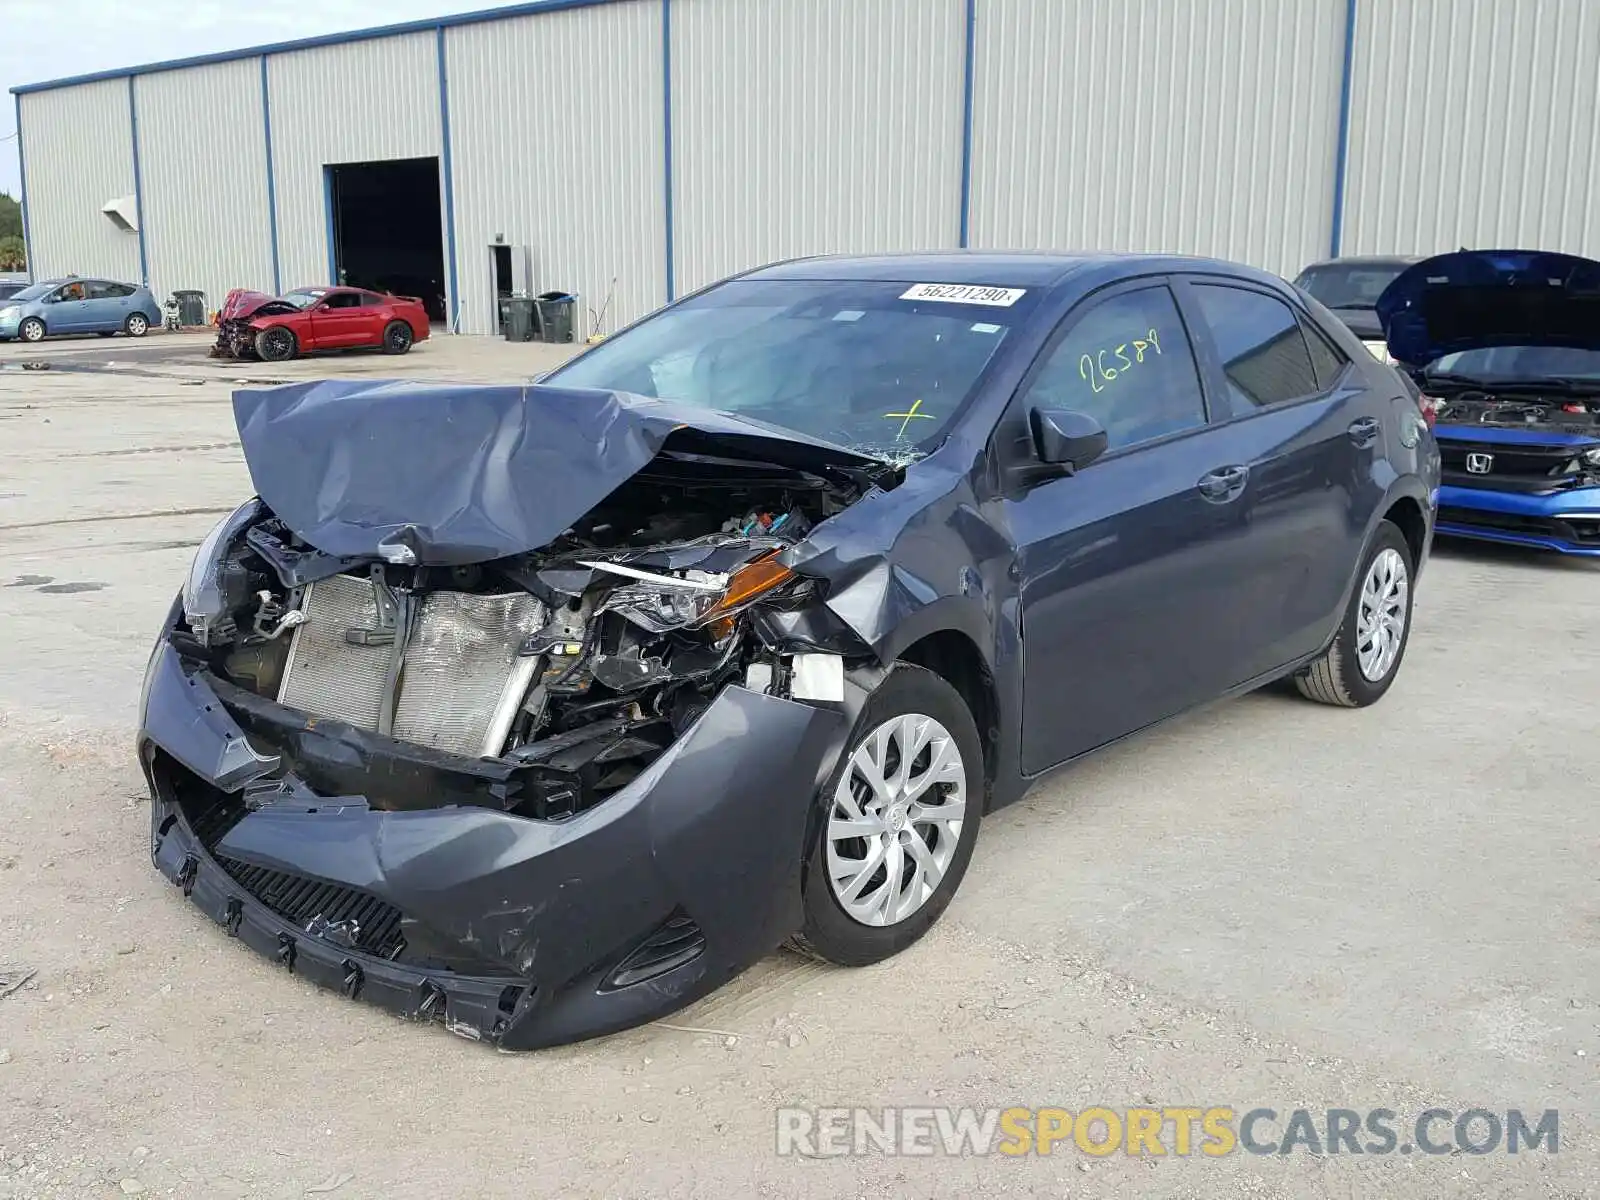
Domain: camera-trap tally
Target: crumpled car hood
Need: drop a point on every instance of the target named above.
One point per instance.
(241, 303)
(1474, 299)
(451, 475)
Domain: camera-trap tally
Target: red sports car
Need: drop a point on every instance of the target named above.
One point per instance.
(308, 319)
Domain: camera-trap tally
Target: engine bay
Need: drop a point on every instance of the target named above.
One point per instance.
(1521, 410)
(588, 657)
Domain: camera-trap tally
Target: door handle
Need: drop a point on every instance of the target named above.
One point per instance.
(1224, 484)
(1364, 430)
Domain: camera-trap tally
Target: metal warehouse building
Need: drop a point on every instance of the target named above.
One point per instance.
(666, 143)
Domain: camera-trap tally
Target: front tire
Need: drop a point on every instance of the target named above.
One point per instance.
(397, 337)
(1366, 653)
(137, 325)
(276, 344)
(900, 817)
(31, 330)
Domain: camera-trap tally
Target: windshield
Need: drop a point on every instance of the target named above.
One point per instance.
(1508, 364)
(851, 362)
(1356, 285)
(35, 291)
(305, 297)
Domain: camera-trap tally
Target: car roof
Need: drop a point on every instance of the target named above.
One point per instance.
(995, 268)
(1366, 260)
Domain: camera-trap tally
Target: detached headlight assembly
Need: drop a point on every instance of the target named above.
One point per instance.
(659, 603)
(205, 604)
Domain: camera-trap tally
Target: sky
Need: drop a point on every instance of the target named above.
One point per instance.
(50, 39)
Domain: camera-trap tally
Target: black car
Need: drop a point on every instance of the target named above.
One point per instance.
(1350, 288)
(543, 711)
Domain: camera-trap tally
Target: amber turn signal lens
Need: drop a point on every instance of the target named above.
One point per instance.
(748, 582)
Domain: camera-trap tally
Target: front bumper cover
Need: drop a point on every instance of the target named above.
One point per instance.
(518, 931)
(1566, 521)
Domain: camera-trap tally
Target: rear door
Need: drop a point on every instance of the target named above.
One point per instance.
(1298, 415)
(1124, 567)
(108, 305)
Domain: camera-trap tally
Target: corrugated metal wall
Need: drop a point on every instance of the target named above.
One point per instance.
(810, 126)
(557, 138)
(1475, 123)
(1150, 125)
(358, 102)
(78, 147)
(203, 170)
(813, 126)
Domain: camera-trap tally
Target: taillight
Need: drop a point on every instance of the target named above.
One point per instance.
(1430, 406)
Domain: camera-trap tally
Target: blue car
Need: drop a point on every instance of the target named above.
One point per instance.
(76, 305)
(544, 711)
(1505, 347)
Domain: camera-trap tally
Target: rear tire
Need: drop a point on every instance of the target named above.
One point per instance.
(137, 325)
(397, 337)
(1366, 653)
(31, 330)
(276, 344)
(867, 895)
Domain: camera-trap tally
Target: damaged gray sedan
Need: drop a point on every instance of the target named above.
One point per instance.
(541, 712)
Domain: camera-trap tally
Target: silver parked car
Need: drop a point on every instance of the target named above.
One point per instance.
(78, 306)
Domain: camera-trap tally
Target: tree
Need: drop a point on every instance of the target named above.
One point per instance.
(13, 256)
(10, 216)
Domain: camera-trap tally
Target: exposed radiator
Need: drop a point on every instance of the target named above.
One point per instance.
(459, 681)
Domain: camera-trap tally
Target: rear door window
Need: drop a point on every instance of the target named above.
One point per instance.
(1258, 339)
(1127, 363)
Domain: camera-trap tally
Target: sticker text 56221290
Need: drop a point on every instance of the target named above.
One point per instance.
(964, 293)
(1104, 367)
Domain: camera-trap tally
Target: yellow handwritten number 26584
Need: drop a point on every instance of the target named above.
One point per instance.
(1097, 373)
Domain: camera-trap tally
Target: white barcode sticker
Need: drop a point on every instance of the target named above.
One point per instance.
(964, 293)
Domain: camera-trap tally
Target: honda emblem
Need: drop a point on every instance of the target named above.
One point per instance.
(1479, 464)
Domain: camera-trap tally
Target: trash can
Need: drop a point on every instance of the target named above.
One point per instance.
(191, 307)
(555, 316)
(519, 318)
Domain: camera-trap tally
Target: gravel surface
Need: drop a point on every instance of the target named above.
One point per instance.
(1265, 904)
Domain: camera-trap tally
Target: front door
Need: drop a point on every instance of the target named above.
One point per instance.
(69, 310)
(338, 321)
(1123, 566)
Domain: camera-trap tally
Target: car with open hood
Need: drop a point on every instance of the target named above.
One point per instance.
(1349, 287)
(542, 711)
(1505, 347)
(311, 320)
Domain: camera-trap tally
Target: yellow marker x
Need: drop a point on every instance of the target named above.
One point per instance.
(906, 418)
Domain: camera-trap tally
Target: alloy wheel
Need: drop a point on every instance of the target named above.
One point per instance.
(895, 819)
(1381, 616)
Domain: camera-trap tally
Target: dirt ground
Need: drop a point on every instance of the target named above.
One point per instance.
(1266, 904)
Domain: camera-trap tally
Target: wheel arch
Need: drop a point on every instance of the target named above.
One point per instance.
(1406, 512)
(954, 656)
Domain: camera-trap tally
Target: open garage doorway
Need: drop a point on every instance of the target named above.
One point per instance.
(385, 231)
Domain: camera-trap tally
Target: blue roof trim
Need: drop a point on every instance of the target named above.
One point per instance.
(22, 178)
(666, 162)
(272, 185)
(477, 17)
(447, 169)
(966, 121)
(1341, 162)
(138, 183)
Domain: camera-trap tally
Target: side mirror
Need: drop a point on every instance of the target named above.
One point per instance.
(1064, 438)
